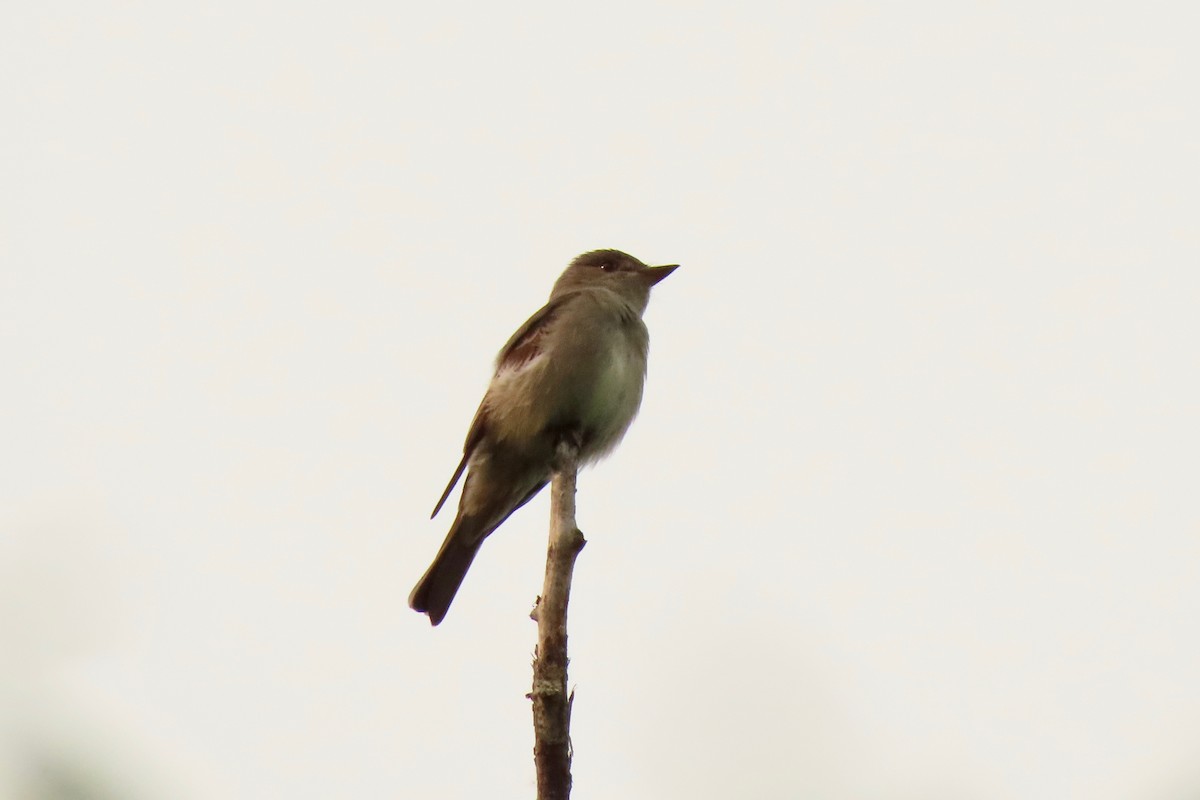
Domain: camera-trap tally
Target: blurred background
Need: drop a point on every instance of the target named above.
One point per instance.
(909, 511)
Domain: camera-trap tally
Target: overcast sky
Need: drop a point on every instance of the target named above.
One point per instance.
(910, 510)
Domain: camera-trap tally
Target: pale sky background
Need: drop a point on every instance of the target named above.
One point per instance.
(910, 511)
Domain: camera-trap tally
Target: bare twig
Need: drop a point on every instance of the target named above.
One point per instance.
(551, 703)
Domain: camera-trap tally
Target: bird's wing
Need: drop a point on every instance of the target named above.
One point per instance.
(521, 349)
(526, 344)
(450, 486)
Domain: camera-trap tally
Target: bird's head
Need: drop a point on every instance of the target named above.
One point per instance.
(611, 269)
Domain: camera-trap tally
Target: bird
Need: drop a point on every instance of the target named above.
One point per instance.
(574, 371)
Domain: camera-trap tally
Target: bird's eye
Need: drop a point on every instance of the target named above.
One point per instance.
(607, 267)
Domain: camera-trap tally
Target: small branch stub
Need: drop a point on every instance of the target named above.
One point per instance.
(551, 703)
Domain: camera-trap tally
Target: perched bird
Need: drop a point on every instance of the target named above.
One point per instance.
(574, 369)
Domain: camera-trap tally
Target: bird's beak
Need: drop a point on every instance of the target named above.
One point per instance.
(656, 274)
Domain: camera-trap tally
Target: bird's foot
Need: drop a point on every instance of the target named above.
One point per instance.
(570, 445)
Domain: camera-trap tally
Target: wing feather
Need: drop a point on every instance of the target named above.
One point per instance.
(522, 347)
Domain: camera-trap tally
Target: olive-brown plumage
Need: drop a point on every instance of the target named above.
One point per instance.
(574, 369)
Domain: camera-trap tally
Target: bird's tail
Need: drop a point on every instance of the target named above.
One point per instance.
(435, 591)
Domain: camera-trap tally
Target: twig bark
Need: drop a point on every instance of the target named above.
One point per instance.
(551, 703)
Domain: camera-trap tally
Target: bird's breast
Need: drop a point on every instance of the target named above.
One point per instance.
(617, 377)
(615, 390)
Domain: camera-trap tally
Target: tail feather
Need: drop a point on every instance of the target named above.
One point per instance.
(435, 591)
